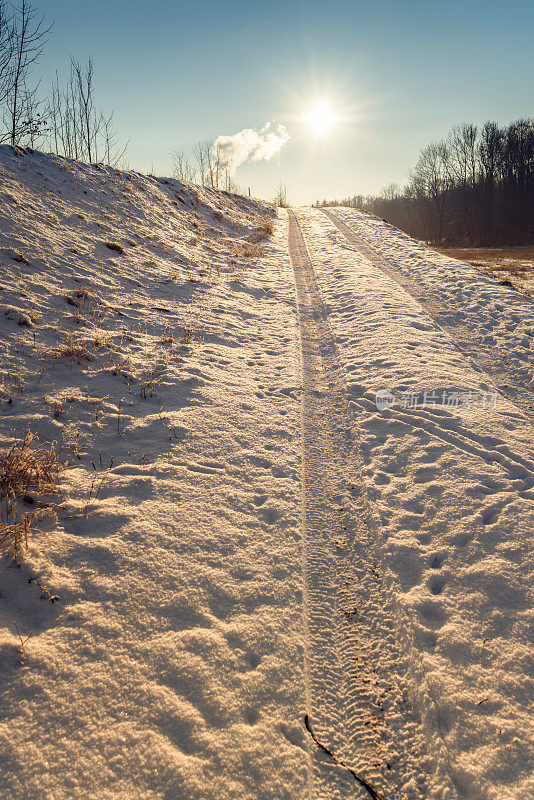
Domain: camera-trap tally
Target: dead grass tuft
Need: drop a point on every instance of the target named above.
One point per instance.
(264, 229)
(15, 533)
(167, 337)
(58, 408)
(152, 377)
(26, 470)
(188, 334)
(10, 381)
(103, 339)
(88, 307)
(245, 250)
(70, 347)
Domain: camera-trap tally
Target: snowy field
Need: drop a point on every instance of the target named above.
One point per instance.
(242, 532)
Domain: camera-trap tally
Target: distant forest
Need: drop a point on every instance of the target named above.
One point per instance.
(476, 187)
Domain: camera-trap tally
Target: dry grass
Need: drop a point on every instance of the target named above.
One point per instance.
(57, 405)
(152, 377)
(188, 334)
(167, 336)
(15, 533)
(10, 381)
(71, 347)
(513, 259)
(103, 339)
(121, 367)
(264, 229)
(244, 250)
(88, 307)
(26, 470)
(512, 266)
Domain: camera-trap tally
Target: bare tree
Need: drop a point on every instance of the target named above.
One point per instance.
(390, 192)
(90, 120)
(462, 162)
(478, 186)
(490, 155)
(77, 129)
(35, 124)
(113, 152)
(182, 167)
(6, 50)
(431, 180)
(280, 198)
(29, 37)
(230, 184)
(202, 153)
(518, 168)
(64, 116)
(218, 166)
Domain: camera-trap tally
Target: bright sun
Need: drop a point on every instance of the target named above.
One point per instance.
(320, 118)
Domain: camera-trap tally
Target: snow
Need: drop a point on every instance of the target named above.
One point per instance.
(511, 266)
(451, 494)
(202, 609)
(171, 666)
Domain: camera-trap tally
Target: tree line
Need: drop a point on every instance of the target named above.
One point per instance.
(206, 165)
(65, 118)
(475, 187)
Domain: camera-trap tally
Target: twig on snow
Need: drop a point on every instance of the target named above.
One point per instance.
(358, 778)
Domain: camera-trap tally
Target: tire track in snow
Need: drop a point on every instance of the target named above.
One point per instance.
(354, 669)
(480, 357)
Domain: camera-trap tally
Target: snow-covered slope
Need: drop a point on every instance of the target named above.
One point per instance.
(171, 665)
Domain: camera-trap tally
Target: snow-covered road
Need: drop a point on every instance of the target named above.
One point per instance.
(492, 345)
(353, 666)
(447, 509)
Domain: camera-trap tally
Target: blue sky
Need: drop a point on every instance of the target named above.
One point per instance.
(399, 74)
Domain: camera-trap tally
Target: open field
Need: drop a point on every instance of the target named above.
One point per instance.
(514, 264)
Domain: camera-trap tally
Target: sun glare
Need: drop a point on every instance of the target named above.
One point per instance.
(320, 118)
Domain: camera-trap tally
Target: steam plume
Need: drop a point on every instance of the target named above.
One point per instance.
(251, 145)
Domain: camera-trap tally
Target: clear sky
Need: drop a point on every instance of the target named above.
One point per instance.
(396, 75)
